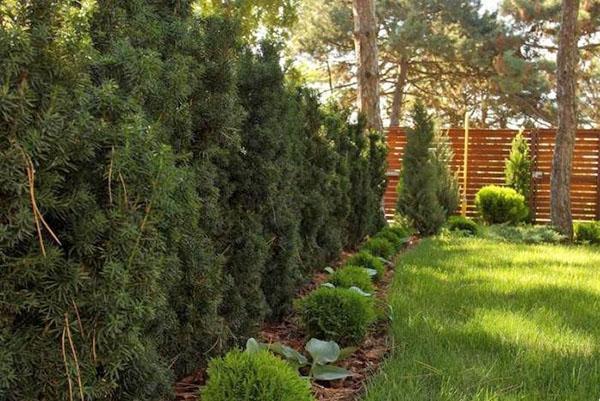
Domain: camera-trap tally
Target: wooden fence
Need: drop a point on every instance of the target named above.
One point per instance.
(487, 151)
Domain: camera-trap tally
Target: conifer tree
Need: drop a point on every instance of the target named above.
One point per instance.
(418, 198)
(447, 183)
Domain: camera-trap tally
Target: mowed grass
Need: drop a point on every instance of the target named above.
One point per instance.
(479, 320)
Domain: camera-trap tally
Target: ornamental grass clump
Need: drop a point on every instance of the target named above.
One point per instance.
(353, 276)
(379, 247)
(338, 314)
(254, 376)
(368, 261)
(499, 205)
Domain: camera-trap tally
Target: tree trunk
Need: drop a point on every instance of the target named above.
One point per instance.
(560, 182)
(396, 111)
(365, 44)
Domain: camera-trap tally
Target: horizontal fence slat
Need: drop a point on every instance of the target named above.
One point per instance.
(488, 150)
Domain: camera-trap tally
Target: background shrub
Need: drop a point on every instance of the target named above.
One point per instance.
(419, 181)
(447, 183)
(256, 376)
(392, 237)
(462, 223)
(588, 232)
(523, 234)
(352, 276)
(518, 167)
(379, 247)
(337, 314)
(365, 259)
(500, 205)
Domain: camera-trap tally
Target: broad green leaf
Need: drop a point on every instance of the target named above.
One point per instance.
(323, 352)
(328, 285)
(252, 346)
(329, 270)
(361, 292)
(289, 353)
(370, 272)
(329, 372)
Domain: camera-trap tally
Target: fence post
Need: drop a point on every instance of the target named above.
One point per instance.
(598, 179)
(535, 141)
(465, 165)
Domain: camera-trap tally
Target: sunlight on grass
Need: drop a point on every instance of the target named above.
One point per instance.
(476, 320)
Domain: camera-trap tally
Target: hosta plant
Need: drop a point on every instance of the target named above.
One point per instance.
(323, 356)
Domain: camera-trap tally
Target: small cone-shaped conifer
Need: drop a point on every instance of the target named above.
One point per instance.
(418, 198)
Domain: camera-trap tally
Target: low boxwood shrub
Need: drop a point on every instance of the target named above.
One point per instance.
(462, 223)
(254, 376)
(379, 247)
(365, 259)
(588, 232)
(338, 314)
(352, 276)
(499, 205)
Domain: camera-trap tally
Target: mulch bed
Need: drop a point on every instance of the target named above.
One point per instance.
(363, 363)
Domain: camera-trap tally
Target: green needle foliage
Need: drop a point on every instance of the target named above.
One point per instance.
(163, 190)
(418, 192)
(518, 167)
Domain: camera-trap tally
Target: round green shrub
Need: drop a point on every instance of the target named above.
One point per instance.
(401, 230)
(337, 314)
(254, 376)
(352, 276)
(461, 223)
(379, 247)
(392, 237)
(365, 259)
(499, 205)
(588, 232)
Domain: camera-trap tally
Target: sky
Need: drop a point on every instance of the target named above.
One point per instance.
(490, 5)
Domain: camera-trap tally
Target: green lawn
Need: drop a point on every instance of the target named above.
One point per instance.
(479, 320)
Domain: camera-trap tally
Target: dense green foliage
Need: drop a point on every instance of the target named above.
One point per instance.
(588, 232)
(498, 205)
(163, 190)
(462, 223)
(419, 183)
(475, 310)
(379, 247)
(337, 314)
(447, 183)
(368, 261)
(352, 276)
(254, 376)
(518, 167)
(392, 237)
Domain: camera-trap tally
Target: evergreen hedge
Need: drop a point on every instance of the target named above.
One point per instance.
(162, 191)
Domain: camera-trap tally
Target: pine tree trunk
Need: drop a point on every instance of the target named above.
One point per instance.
(365, 44)
(560, 202)
(398, 99)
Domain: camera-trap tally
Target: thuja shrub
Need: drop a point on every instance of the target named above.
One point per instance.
(366, 260)
(500, 205)
(254, 376)
(379, 247)
(352, 276)
(588, 232)
(339, 314)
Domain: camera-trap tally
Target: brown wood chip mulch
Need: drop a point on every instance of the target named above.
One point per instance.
(363, 363)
